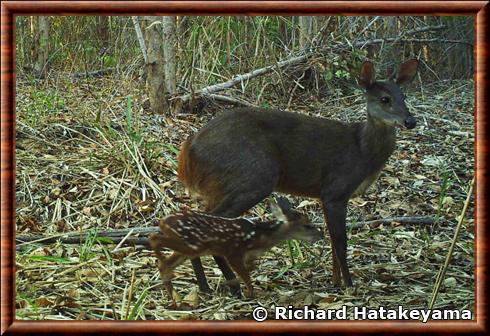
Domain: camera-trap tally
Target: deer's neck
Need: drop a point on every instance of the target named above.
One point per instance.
(377, 141)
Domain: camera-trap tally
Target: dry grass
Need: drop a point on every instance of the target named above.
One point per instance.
(84, 163)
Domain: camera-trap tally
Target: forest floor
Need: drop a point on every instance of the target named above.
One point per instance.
(89, 158)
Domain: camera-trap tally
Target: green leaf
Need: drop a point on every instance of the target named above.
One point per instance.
(49, 258)
(328, 75)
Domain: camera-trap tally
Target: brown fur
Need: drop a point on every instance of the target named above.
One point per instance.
(182, 170)
(241, 156)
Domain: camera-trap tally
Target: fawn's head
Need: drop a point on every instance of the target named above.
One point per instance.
(293, 223)
(385, 99)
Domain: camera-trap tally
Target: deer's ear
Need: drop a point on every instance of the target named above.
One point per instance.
(367, 77)
(407, 72)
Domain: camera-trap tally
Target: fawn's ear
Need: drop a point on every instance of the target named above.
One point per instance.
(407, 72)
(277, 212)
(283, 204)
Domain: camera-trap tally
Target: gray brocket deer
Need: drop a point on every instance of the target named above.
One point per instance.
(239, 240)
(241, 156)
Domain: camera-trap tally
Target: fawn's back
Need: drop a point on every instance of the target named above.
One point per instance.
(194, 233)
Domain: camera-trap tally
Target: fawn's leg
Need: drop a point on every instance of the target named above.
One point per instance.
(167, 265)
(238, 265)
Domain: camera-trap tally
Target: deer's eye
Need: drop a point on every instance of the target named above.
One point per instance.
(385, 100)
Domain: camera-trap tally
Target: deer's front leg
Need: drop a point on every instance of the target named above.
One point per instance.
(335, 215)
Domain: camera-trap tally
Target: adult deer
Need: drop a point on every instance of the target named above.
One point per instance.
(241, 156)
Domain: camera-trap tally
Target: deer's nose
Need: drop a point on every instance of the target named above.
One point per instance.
(410, 122)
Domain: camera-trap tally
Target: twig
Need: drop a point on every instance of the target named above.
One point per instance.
(227, 99)
(442, 272)
(424, 29)
(424, 220)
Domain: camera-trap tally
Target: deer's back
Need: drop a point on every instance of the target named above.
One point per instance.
(303, 153)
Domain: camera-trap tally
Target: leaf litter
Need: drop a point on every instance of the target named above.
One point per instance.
(79, 174)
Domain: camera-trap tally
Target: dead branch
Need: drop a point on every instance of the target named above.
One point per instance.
(401, 220)
(115, 236)
(427, 41)
(227, 99)
(244, 77)
(138, 235)
(95, 73)
(386, 221)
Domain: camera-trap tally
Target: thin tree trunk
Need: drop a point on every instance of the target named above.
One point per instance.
(40, 33)
(169, 43)
(42, 56)
(155, 79)
(34, 41)
(103, 30)
(21, 25)
(141, 39)
(305, 30)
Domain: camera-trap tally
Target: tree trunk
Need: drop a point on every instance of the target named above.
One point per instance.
(40, 34)
(34, 40)
(155, 79)
(104, 34)
(305, 30)
(43, 44)
(21, 24)
(284, 35)
(169, 43)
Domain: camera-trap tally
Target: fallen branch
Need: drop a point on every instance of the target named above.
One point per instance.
(401, 220)
(244, 77)
(139, 236)
(427, 41)
(95, 73)
(115, 236)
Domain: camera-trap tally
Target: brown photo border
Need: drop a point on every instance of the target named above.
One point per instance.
(477, 9)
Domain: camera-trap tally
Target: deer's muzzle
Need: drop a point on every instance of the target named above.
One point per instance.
(410, 122)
